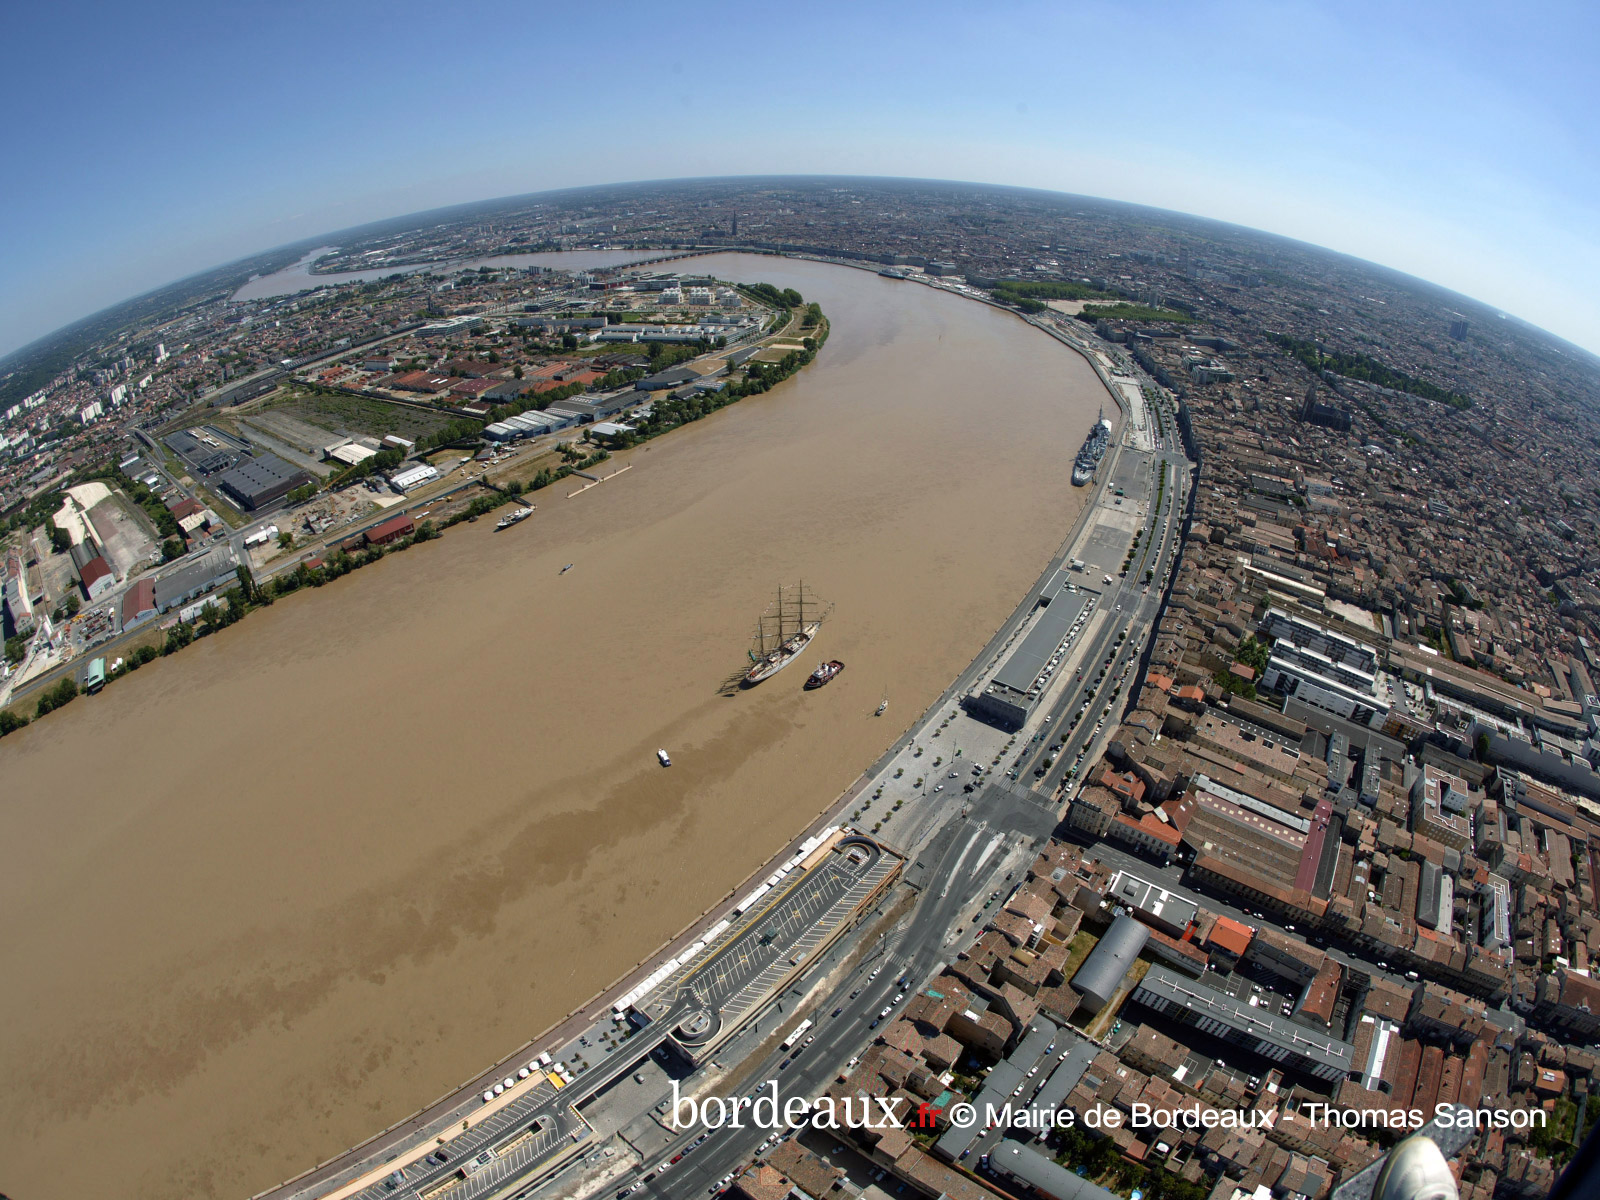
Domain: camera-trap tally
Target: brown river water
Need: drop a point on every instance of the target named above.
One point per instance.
(267, 896)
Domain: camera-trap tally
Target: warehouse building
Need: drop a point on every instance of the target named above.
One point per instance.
(96, 577)
(1029, 1055)
(391, 530)
(138, 604)
(663, 380)
(408, 478)
(257, 482)
(529, 424)
(1108, 964)
(578, 411)
(184, 585)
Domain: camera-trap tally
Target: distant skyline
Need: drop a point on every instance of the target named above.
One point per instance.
(1453, 142)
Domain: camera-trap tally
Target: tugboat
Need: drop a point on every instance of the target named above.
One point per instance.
(824, 672)
(772, 649)
(662, 755)
(510, 519)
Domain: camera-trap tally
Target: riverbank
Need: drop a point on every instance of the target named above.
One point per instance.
(309, 870)
(324, 562)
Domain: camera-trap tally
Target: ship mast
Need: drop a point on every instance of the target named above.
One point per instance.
(801, 626)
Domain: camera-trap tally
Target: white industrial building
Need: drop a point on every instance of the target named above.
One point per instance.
(529, 424)
(409, 478)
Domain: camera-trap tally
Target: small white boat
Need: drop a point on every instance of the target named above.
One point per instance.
(566, 568)
(662, 755)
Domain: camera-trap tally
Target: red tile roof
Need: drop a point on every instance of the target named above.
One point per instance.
(1231, 936)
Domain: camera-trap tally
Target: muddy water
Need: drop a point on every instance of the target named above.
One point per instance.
(267, 896)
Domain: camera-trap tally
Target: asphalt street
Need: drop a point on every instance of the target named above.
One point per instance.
(966, 860)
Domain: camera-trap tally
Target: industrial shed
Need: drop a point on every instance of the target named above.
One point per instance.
(259, 481)
(391, 530)
(1108, 964)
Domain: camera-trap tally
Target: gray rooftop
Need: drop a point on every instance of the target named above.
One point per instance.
(1108, 963)
(1028, 660)
(183, 584)
(1066, 1075)
(1260, 1023)
(997, 1088)
(1051, 1178)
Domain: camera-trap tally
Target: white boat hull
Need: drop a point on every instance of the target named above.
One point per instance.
(782, 657)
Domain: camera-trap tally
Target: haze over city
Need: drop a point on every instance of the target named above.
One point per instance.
(575, 570)
(1449, 141)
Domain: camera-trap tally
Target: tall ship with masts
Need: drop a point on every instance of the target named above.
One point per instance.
(782, 634)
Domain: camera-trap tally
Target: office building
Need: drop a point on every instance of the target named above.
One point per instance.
(1256, 1029)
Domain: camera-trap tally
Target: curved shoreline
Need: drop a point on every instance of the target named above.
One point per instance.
(907, 525)
(467, 1091)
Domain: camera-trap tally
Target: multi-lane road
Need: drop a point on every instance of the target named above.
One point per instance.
(961, 849)
(1130, 607)
(965, 860)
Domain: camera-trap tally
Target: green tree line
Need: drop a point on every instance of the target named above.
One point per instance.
(1030, 296)
(1131, 312)
(1369, 370)
(777, 297)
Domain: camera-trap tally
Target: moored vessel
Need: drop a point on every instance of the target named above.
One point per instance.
(1092, 451)
(777, 643)
(510, 519)
(824, 672)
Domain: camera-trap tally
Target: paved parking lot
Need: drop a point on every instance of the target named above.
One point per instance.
(784, 933)
(511, 1135)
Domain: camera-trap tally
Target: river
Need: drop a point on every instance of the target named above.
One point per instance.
(267, 896)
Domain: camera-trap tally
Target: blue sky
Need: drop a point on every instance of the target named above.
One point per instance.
(1455, 141)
